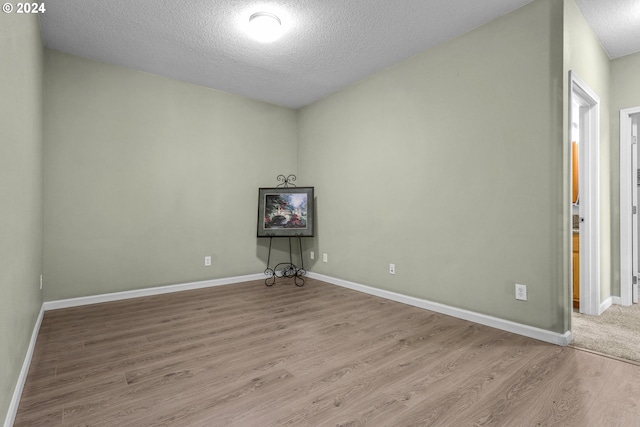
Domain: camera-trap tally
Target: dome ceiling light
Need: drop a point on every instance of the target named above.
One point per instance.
(265, 27)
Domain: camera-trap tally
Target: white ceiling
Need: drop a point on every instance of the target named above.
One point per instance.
(327, 44)
(616, 23)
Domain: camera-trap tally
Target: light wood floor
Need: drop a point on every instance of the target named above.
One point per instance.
(320, 355)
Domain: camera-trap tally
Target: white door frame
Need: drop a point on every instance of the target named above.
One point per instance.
(589, 192)
(626, 206)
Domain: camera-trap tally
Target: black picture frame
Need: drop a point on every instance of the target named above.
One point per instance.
(285, 212)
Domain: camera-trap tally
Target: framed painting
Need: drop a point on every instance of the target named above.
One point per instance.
(285, 212)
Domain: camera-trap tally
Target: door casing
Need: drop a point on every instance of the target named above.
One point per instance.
(626, 206)
(589, 114)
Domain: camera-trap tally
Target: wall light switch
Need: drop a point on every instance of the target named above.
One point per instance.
(325, 258)
(312, 255)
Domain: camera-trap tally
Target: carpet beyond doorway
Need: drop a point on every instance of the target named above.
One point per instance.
(615, 332)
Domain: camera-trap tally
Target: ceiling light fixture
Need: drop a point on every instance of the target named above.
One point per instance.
(265, 26)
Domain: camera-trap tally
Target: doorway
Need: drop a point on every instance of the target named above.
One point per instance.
(584, 107)
(629, 227)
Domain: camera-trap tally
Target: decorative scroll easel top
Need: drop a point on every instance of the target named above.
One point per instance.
(286, 181)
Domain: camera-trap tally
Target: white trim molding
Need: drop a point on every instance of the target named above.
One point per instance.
(589, 113)
(604, 305)
(117, 296)
(483, 319)
(22, 378)
(626, 217)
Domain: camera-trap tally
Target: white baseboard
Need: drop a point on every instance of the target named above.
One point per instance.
(22, 378)
(604, 305)
(616, 300)
(116, 296)
(494, 322)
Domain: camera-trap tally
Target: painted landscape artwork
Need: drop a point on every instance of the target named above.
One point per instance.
(285, 212)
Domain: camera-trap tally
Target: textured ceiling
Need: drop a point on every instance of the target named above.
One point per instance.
(327, 44)
(615, 22)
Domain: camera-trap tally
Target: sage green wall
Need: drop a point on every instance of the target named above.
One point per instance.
(20, 193)
(450, 165)
(625, 88)
(585, 56)
(145, 175)
(625, 93)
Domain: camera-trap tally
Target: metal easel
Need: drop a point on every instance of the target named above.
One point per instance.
(286, 269)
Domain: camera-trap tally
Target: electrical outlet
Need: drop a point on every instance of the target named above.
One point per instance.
(521, 292)
(325, 258)
(392, 269)
(312, 255)
(207, 261)
(41, 281)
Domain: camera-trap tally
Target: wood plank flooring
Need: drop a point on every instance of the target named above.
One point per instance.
(319, 355)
